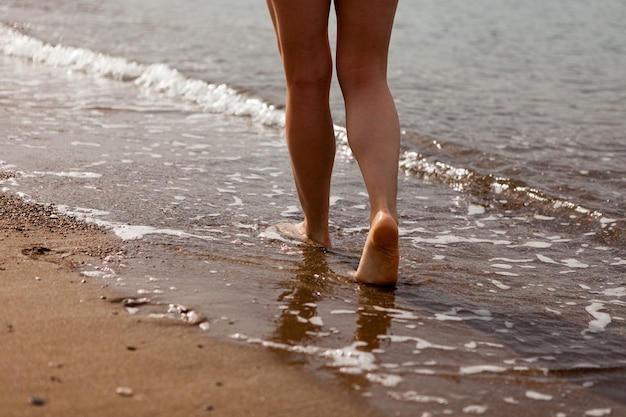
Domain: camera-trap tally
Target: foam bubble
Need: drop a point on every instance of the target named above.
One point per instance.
(385, 380)
(574, 263)
(91, 144)
(415, 397)
(350, 359)
(271, 233)
(537, 244)
(540, 217)
(601, 320)
(615, 292)
(546, 259)
(317, 321)
(475, 409)
(534, 395)
(421, 343)
(477, 369)
(598, 412)
(397, 314)
(461, 314)
(475, 209)
(500, 285)
(508, 274)
(510, 260)
(342, 312)
(422, 371)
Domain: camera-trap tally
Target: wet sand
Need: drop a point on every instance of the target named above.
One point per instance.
(69, 347)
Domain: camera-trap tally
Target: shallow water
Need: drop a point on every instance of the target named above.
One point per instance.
(511, 298)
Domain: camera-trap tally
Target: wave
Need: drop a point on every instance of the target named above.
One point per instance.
(515, 196)
(157, 77)
(505, 193)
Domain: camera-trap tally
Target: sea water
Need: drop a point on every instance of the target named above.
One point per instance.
(163, 121)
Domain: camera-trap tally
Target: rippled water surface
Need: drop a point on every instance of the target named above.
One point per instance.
(167, 130)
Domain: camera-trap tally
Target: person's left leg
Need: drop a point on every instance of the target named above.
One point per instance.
(302, 33)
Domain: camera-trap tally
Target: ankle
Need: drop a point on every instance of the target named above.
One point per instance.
(320, 236)
(383, 217)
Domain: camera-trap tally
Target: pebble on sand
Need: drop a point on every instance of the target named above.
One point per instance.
(38, 401)
(124, 391)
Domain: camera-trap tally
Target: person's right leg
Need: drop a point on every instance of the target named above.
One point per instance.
(302, 33)
(364, 31)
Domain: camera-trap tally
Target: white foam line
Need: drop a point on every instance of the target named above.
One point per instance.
(130, 232)
(451, 239)
(159, 78)
(124, 231)
(349, 359)
(70, 174)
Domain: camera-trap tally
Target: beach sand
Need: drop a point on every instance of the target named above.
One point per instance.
(68, 348)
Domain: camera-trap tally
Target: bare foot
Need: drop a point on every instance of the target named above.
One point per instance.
(381, 255)
(298, 232)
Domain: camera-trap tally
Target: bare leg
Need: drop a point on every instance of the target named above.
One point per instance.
(364, 31)
(302, 34)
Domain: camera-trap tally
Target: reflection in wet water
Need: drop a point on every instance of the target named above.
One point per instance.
(300, 323)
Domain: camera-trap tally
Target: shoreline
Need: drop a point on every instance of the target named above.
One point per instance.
(67, 349)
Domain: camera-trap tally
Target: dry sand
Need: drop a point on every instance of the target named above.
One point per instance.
(67, 350)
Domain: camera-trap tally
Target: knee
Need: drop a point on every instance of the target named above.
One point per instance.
(309, 74)
(357, 74)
